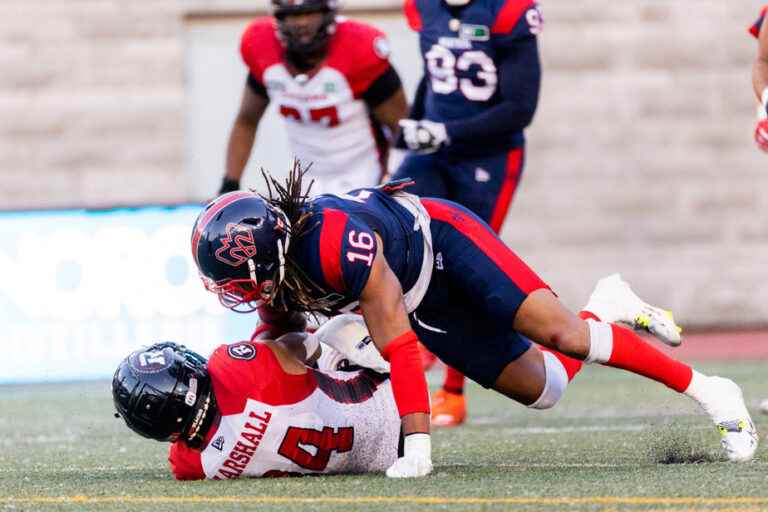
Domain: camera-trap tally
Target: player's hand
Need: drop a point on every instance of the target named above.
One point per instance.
(761, 134)
(228, 185)
(417, 458)
(423, 136)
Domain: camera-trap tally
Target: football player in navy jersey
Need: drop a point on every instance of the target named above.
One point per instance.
(479, 91)
(430, 270)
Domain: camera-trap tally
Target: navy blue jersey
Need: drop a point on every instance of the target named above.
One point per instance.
(339, 247)
(463, 63)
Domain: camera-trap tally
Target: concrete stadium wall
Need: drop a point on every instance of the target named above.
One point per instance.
(640, 158)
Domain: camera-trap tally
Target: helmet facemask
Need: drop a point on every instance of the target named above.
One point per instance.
(248, 294)
(303, 49)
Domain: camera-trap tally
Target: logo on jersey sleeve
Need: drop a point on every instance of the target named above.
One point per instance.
(243, 351)
(237, 245)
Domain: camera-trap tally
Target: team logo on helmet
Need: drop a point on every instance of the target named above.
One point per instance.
(151, 361)
(237, 245)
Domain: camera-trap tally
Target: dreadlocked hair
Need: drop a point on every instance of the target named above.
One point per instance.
(297, 289)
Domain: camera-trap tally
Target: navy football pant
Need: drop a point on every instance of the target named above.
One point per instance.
(485, 185)
(477, 286)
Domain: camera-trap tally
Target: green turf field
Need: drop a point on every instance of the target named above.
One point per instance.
(607, 445)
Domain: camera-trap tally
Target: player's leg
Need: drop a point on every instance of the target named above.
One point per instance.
(426, 173)
(543, 318)
(485, 185)
(504, 287)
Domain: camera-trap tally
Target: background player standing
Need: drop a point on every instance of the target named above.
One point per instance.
(479, 91)
(332, 81)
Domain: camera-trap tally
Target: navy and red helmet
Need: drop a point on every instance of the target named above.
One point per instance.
(164, 392)
(293, 40)
(239, 242)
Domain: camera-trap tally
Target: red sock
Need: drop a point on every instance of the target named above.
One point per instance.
(632, 353)
(454, 381)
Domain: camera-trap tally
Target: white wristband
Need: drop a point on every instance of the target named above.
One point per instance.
(418, 446)
(764, 100)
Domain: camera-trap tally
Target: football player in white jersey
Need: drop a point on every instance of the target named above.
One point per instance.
(332, 82)
(253, 408)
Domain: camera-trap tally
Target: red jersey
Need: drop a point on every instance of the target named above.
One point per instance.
(275, 424)
(328, 123)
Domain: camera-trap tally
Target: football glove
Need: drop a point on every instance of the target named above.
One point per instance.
(348, 335)
(761, 134)
(423, 136)
(417, 458)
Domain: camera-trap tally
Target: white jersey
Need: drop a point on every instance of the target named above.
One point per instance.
(328, 123)
(276, 424)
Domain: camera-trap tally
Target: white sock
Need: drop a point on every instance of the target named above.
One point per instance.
(600, 342)
(697, 389)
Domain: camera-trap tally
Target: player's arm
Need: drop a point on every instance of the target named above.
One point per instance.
(519, 75)
(275, 323)
(243, 134)
(381, 302)
(386, 99)
(760, 85)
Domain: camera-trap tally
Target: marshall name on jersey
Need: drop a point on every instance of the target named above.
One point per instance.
(328, 123)
(277, 424)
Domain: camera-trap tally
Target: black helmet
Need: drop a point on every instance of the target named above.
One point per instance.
(299, 52)
(164, 392)
(239, 242)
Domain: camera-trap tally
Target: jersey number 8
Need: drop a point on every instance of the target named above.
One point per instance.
(443, 64)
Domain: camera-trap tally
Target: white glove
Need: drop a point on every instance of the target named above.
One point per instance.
(348, 335)
(423, 136)
(417, 458)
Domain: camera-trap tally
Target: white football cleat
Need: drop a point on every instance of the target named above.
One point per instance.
(614, 301)
(723, 401)
(764, 406)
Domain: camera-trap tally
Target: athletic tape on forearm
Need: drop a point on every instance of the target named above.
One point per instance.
(409, 386)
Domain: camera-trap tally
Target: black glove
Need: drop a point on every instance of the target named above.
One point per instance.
(229, 185)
